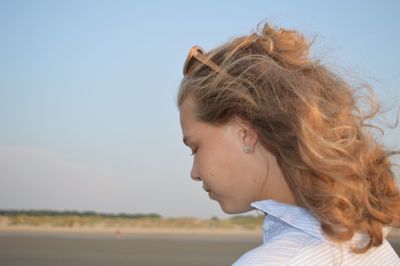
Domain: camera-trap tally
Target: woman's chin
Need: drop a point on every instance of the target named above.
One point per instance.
(233, 209)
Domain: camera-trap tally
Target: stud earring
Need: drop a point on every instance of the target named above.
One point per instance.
(246, 149)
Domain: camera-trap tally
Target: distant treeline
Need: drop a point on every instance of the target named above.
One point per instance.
(122, 220)
(76, 213)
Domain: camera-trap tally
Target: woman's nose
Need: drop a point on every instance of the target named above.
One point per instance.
(194, 173)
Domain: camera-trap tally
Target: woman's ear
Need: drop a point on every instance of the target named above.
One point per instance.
(247, 133)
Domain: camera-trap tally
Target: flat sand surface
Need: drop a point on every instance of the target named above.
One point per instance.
(136, 247)
(101, 249)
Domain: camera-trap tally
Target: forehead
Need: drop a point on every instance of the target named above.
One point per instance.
(187, 114)
(192, 127)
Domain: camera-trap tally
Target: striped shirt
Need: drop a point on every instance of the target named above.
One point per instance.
(293, 236)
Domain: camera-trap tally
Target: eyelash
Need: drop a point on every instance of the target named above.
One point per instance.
(194, 152)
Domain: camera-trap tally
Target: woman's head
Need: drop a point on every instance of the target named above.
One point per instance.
(307, 118)
(234, 167)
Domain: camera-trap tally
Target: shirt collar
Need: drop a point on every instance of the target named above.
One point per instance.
(295, 216)
(303, 220)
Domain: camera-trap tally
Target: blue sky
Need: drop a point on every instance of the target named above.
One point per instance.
(88, 119)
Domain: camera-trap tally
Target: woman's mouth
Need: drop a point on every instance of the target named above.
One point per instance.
(210, 192)
(206, 189)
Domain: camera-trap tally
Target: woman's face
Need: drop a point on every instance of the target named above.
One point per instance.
(229, 175)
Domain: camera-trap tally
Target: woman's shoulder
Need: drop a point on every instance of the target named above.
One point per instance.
(278, 251)
(296, 248)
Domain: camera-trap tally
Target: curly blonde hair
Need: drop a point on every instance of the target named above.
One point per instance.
(311, 120)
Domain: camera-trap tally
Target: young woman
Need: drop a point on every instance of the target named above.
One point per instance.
(273, 130)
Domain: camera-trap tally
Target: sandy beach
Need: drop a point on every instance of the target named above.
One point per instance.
(142, 247)
(101, 246)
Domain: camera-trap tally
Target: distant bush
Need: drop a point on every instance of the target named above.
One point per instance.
(123, 220)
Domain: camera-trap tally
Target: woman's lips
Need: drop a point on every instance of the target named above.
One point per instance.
(207, 189)
(210, 192)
